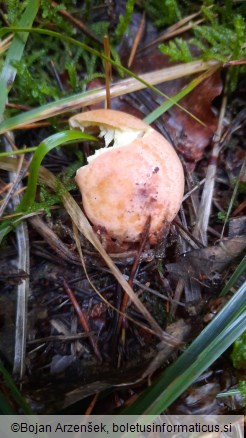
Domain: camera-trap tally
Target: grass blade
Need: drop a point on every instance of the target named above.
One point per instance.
(90, 97)
(18, 152)
(15, 52)
(14, 392)
(164, 399)
(224, 329)
(235, 276)
(71, 40)
(186, 90)
(56, 140)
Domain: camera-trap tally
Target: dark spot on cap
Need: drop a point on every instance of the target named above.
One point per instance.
(143, 193)
(156, 169)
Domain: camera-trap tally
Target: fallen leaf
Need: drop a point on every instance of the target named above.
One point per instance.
(207, 263)
(190, 137)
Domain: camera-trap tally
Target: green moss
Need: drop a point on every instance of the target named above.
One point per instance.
(14, 10)
(34, 86)
(163, 12)
(178, 50)
(242, 389)
(65, 183)
(35, 81)
(242, 187)
(222, 36)
(238, 354)
(124, 20)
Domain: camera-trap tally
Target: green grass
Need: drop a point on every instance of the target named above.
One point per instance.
(212, 342)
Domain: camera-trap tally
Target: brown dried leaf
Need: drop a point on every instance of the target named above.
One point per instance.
(206, 263)
(190, 137)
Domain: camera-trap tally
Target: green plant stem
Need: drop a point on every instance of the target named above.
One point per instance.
(18, 152)
(186, 90)
(15, 52)
(15, 393)
(235, 276)
(71, 40)
(56, 140)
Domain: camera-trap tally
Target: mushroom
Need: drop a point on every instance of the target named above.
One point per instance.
(136, 175)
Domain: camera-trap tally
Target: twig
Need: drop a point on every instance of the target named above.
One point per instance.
(241, 207)
(53, 240)
(82, 319)
(125, 300)
(197, 186)
(19, 175)
(137, 40)
(187, 236)
(176, 32)
(22, 300)
(78, 23)
(92, 404)
(201, 227)
(175, 29)
(122, 320)
(156, 293)
(56, 74)
(108, 70)
(85, 228)
(58, 338)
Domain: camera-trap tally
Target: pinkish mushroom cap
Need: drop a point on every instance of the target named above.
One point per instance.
(139, 176)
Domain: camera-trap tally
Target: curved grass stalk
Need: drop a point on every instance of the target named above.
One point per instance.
(56, 140)
(71, 40)
(186, 90)
(18, 152)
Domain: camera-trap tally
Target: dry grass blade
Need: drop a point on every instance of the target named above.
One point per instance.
(4, 44)
(22, 300)
(76, 238)
(137, 40)
(22, 288)
(53, 240)
(83, 320)
(85, 228)
(98, 95)
(19, 174)
(176, 29)
(201, 227)
(145, 233)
